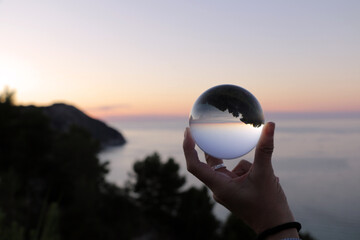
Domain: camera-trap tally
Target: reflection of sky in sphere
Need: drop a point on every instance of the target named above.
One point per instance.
(226, 121)
(225, 140)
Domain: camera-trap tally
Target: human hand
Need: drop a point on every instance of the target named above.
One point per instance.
(250, 191)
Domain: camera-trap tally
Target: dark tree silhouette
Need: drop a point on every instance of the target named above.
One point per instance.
(53, 186)
(157, 185)
(40, 166)
(171, 213)
(196, 208)
(238, 101)
(234, 229)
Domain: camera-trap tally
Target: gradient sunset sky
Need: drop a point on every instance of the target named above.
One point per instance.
(156, 57)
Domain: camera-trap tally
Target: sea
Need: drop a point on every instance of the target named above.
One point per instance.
(316, 157)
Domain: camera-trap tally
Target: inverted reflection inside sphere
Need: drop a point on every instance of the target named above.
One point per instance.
(226, 121)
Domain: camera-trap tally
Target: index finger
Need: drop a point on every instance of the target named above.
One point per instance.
(199, 169)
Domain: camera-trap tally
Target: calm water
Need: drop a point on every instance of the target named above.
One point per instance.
(316, 158)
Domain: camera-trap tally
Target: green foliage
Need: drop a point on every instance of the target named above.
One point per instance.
(50, 225)
(48, 228)
(10, 231)
(196, 206)
(39, 166)
(157, 185)
(7, 97)
(171, 213)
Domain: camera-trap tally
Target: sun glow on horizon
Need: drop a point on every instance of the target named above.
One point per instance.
(17, 75)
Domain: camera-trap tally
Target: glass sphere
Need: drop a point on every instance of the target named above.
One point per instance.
(226, 121)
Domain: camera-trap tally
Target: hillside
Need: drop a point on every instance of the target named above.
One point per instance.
(62, 116)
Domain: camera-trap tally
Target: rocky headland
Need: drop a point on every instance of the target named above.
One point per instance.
(62, 116)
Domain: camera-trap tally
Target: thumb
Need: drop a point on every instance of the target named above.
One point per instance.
(264, 150)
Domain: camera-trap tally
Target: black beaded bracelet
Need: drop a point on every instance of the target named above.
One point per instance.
(277, 229)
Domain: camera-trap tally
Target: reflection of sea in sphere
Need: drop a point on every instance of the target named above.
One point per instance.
(226, 121)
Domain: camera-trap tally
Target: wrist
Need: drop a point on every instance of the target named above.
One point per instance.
(269, 223)
(277, 213)
(283, 231)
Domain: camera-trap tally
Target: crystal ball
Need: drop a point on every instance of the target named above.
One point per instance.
(226, 121)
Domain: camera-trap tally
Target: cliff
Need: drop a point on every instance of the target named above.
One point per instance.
(62, 116)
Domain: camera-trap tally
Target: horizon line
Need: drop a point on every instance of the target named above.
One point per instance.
(289, 114)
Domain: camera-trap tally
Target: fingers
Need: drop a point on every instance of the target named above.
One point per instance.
(192, 159)
(212, 162)
(199, 169)
(264, 150)
(242, 167)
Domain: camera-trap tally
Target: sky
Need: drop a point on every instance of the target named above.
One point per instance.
(131, 58)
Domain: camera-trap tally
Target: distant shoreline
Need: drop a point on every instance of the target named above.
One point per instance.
(268, 115)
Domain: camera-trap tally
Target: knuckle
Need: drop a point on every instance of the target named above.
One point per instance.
(267, 149)
(190, 168)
